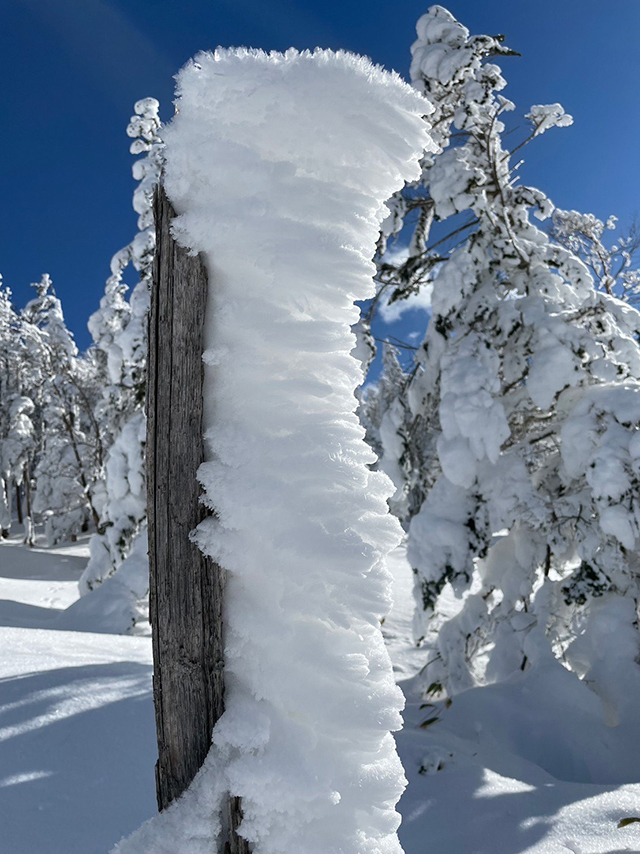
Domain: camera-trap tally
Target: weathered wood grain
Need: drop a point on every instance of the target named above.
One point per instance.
(186, 588)
(234, 844)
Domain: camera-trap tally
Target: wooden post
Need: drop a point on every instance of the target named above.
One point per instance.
(186, 588)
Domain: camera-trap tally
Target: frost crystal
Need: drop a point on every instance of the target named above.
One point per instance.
(279, 167)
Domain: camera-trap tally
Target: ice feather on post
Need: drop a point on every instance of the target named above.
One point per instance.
(279, 166)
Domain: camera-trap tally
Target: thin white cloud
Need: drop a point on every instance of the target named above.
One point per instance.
(421, 301)
(107, 45)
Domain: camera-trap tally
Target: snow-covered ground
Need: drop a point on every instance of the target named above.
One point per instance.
(77, 738)
(504, 770)
(526, 766)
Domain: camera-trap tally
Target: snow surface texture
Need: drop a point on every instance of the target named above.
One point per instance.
(117, 605)
(279, 166)
(77, 736)
(525, 767)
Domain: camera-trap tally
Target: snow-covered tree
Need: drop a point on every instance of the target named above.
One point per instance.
(119, 332)
(18, 450)
(8, 320)
(21, 378)
(391, 431)
(611, 263)
(519, 450)
(50, 439)
(69, 465)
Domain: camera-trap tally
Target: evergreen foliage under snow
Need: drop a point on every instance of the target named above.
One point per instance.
(514, 442)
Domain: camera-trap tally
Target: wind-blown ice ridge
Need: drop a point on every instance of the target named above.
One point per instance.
(279, 166)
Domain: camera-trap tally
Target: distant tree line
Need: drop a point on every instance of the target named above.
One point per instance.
(72, 424)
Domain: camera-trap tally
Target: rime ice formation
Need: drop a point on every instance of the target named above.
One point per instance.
(279, 166)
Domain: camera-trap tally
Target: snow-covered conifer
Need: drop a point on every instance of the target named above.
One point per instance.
(18, 448)
(391, 429)
(21, 378)
(524, 400)
(8, 320)
(612, 263)
(119, 329)
(70, 444)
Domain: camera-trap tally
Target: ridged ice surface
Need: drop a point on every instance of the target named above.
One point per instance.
(279, 166)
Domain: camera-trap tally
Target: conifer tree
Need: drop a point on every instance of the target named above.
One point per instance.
(119, 332)
(20, 385)
(18, 449)
(67, 464)
(8, 321)
(517, 431)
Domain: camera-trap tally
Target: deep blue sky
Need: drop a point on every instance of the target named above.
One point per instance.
(73, 69)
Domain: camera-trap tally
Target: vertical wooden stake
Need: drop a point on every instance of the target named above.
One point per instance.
(186, 588)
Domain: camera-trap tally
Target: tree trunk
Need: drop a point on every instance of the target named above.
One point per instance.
(19, 503)
(68, 426)
(186, 588)
(29, 529)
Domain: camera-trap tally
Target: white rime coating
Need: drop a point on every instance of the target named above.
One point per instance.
(279, 166)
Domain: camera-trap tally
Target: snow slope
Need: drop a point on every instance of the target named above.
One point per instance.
(505, 769)
(77, 740)
(77, 737)
(37, 584)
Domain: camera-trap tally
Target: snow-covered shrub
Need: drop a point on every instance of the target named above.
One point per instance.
(120, 604)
